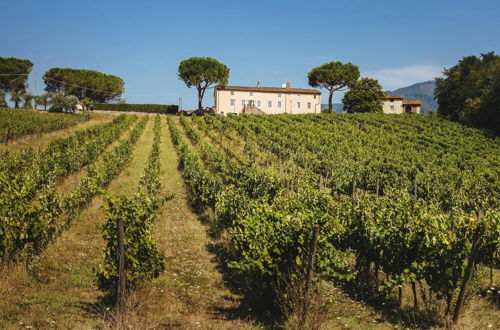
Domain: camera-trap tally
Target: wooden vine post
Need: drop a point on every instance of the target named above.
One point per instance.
(310, 272)
(122, 271)
(415, 190)
(476, 243)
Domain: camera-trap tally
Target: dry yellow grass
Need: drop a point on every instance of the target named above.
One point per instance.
(191, 293)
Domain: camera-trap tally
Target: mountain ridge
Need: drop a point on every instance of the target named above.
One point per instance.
(423, 91)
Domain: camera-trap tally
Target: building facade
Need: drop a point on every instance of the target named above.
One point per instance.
(397, 104)
(266, 100)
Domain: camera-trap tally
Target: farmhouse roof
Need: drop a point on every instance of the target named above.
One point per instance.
(411, 102)
(394, 96)
(269, 89)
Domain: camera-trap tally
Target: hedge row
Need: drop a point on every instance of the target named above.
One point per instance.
(152, 108)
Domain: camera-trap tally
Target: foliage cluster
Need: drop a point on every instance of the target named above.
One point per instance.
(61, 103)
(365, 95)
(333, 76)
(469, 92)
(80, 83)
(14, 77)
(202, 72)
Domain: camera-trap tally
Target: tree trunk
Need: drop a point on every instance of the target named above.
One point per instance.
(469, 270)
(122, 272)
(309, 275)
(200, 98)
(423, 294)
(330, 104)
(491, 274)
(448, 304)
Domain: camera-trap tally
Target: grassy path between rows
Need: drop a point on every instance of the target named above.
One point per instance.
(58, 289)
(341, 312)
(190, 294)
(347, 310)
(69, 183)
(39, 140)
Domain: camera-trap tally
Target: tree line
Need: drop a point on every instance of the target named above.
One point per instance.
(364, 95)
(65, 87)
(468, 92)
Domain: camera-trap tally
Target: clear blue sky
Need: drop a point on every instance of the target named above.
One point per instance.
(398, 42)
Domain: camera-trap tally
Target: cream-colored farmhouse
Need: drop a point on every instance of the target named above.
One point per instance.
(266, 100)
(397, 104)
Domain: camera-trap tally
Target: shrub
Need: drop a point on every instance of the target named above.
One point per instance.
(148, 108)
(61, 103)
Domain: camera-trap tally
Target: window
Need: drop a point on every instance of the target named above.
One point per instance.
(392, 108)
(308, 105)
(315, 96)
(232, 93)
(251, 93)
(243, 102)
(269, 104)
(391, 100)
(298, 96)
(279, 104)
(233, 101)
(279, 95)
(298, 105)
(258, 103)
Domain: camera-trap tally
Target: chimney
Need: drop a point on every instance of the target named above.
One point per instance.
(258, 84)
(287, 85)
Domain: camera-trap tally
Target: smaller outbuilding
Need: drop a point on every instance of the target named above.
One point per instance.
(397, 104)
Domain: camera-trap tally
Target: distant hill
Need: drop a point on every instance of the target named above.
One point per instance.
(337, 107)
(423, 91)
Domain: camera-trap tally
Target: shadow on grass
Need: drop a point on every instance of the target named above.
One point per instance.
(251, 306)
(389, 308)
(104, 307)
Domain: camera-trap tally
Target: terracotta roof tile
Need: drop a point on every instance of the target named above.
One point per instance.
(269, 89)
(394, 97)
(411, 102)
